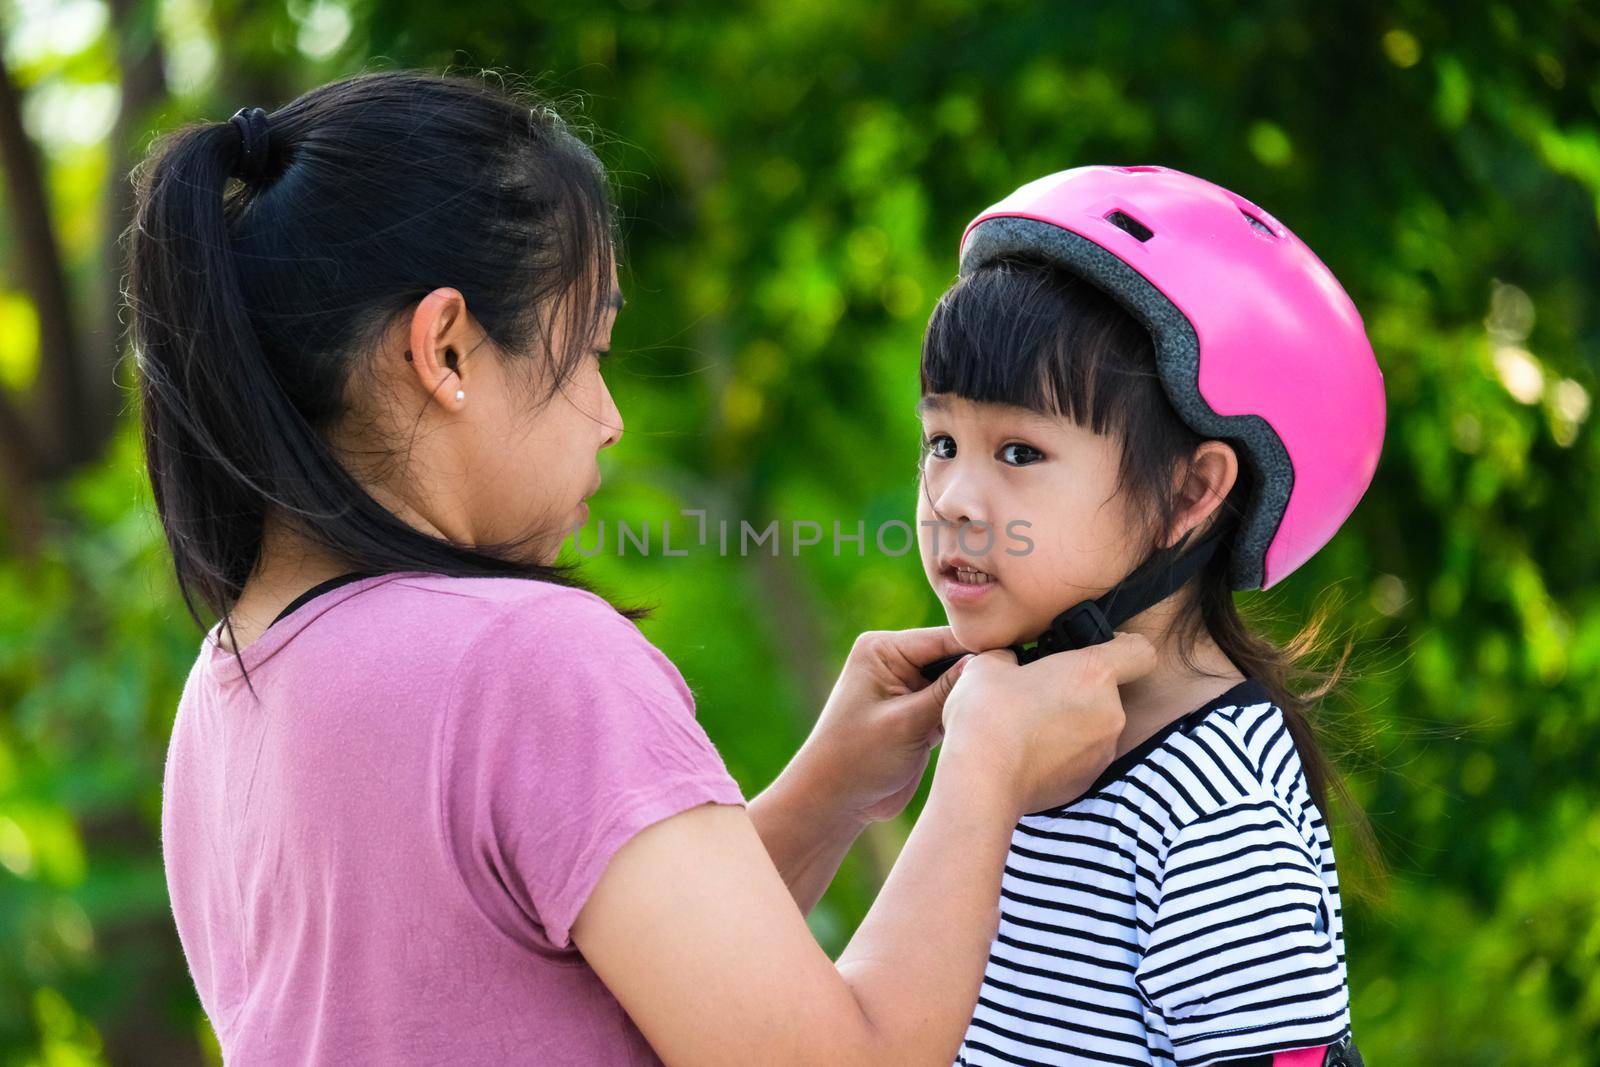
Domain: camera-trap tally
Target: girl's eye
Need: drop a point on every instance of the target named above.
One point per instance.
(941, 446)
(1020, 455)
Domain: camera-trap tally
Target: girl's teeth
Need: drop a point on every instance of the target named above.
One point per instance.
(972, 577)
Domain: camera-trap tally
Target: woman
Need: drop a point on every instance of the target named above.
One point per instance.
(429, 799)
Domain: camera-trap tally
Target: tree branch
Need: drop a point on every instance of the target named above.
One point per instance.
(61, 396)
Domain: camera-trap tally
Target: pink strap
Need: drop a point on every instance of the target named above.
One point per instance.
(1301, 1057)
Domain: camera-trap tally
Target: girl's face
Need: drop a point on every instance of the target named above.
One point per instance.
(1018, 517)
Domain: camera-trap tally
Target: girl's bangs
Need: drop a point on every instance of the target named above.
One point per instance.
(1034, 335)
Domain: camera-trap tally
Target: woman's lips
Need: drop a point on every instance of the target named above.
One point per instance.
(583, 503)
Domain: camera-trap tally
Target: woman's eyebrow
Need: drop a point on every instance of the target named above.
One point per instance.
(927, 404)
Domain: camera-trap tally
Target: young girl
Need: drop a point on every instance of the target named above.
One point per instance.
(1151, 384)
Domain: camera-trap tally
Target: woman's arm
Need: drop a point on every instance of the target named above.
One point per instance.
(806, 832)
(863, 761)
(695, 933)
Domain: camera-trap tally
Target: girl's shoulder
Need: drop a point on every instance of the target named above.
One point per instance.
(1252, 769)
(1232, 755)
(1251, 742)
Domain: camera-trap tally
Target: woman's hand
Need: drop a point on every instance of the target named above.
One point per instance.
(863, 760)
(870, 745)
(1048, 728)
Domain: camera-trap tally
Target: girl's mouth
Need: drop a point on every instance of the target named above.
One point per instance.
(964, 583)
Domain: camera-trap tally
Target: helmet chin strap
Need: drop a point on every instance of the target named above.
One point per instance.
(1095, 621)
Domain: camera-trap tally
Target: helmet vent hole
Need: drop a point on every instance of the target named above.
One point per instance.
(1123, 221)
(1259, 226)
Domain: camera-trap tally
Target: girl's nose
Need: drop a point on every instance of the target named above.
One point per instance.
(959, 500)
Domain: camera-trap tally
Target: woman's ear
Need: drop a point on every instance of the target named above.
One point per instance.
(1203, 486)
(439, 331)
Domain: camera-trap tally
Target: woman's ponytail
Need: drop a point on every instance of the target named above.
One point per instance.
(216, 423)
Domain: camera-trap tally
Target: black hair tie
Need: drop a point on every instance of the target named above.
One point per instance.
(254, 132)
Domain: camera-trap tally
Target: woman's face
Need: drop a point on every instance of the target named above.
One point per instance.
(1018, 518)
(484, 462)
(539, 467)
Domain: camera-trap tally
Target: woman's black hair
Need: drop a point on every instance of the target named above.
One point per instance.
(255, 305)
(1030, 333)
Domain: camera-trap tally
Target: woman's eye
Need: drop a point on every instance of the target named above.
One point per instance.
(1020, 455)
(940, 446)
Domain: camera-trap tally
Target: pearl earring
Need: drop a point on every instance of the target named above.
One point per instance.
(460, 395)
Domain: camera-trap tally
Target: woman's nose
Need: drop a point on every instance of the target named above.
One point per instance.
(611, 419)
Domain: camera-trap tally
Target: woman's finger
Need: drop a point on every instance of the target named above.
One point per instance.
(911, 650)
(926, 706)
(1125, 657)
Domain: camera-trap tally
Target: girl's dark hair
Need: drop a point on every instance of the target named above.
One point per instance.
(255, 306)
(1033, 334)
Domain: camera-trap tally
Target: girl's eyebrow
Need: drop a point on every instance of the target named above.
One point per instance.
(932, 402)
(1038, 417)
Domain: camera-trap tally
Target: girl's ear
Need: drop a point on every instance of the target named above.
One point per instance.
(1203, 486)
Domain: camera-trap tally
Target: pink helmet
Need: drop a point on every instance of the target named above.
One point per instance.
(1255, 340)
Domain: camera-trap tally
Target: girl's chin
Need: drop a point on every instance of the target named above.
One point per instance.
(982, 635)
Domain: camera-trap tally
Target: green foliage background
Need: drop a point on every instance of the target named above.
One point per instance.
(794, 179)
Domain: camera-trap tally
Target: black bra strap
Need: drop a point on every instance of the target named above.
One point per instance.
(320, 588)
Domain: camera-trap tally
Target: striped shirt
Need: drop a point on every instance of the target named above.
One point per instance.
(1185, 910)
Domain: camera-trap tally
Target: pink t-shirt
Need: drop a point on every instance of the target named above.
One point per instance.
(380, 860)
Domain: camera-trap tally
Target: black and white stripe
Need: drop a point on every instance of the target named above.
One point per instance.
(1185, 910)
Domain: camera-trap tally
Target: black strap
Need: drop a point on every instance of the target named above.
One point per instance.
(320, 588)
(1095, 621)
